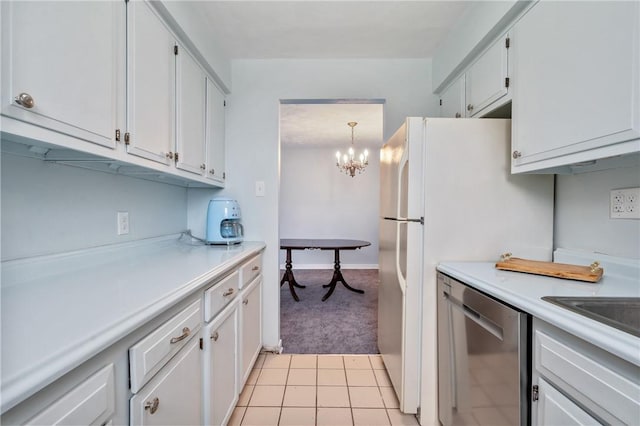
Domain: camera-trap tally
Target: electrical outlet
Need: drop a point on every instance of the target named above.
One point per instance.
(123, 223)
(625, 203)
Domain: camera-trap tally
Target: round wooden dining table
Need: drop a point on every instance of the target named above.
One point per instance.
(336, 245)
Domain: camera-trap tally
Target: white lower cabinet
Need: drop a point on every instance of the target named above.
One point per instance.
(184, 367)
(91, 402)
(251, 327)
(575, 382)
(220, 343)
(174, 395)
(556, 409)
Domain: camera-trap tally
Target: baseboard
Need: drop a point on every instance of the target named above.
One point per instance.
(330, 266)
(273, 349)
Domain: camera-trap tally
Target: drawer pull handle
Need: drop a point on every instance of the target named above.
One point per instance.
(185, 333)
(245, 302)
(255, 268)
(215, 336)
(152, 406)
(227, 293)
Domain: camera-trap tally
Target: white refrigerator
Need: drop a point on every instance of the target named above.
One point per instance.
(446, 193)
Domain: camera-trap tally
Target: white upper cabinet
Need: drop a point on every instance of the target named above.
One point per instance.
(151, 85)
(452, 100)
(191, 102)
(215, 133)
(61, 64)
(487, 78)
(576, 87)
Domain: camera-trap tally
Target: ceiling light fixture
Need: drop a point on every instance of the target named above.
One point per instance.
(347, 163)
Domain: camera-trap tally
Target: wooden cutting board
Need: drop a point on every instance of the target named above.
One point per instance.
(591, 273)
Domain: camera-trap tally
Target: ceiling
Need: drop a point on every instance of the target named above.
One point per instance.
(329, 29)
(325, 125)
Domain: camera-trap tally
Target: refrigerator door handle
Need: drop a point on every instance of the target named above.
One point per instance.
(405, 219)
(401, 278)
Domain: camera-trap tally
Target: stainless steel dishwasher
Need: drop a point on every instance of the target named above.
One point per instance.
(483, 358)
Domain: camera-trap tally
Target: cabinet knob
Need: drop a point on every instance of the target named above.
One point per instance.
(227, 293)
(516, 154)
(185, 333)
(255, 268)
(458, 115)
(203, 166)
(152, 406)
(169, 155)
(212, 172)
(215, 336)
(25, 100)
(469, 107)
(245, 302)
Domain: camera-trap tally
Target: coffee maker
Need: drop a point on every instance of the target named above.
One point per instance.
(224, 224)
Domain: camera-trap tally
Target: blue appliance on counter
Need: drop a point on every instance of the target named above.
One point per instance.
(224, 222)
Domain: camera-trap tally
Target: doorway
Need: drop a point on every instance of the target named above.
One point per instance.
(318, 200)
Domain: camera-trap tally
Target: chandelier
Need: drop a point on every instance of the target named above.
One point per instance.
(347, 162)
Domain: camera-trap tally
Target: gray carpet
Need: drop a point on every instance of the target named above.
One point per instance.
(345, 324)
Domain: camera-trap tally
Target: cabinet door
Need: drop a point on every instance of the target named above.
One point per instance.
(191, 91)
(577, 82)
(221, 366)
(150, 84)
(174, 395)
(452, 100)
(251, 320)
(65, 57)
(92, 402)
(555, 409)
(215, 133)
(486, 80)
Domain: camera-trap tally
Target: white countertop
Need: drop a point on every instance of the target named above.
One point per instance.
(58, 311)
(524, 291)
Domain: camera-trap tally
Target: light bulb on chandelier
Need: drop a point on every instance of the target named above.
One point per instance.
(349, 164)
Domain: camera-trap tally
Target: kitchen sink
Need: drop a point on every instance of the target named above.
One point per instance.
(622, 313)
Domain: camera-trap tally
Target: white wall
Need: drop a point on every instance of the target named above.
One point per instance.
(582, 213)
(318, 201)
(253, 134)
(52, 208)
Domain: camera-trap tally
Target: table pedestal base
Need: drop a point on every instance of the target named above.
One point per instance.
(337, 277)
(288, 277)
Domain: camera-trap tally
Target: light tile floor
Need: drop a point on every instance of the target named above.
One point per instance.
(331, 390)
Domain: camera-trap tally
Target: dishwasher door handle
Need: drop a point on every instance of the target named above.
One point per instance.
(476, 317)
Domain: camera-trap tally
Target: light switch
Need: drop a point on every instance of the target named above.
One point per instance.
(123, 223)
(259, 188)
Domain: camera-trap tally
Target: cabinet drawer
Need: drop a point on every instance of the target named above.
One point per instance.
(220, 294)
(590, 381)
(151, 353)
(91, 402)
(174, 396)
(250, 270)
